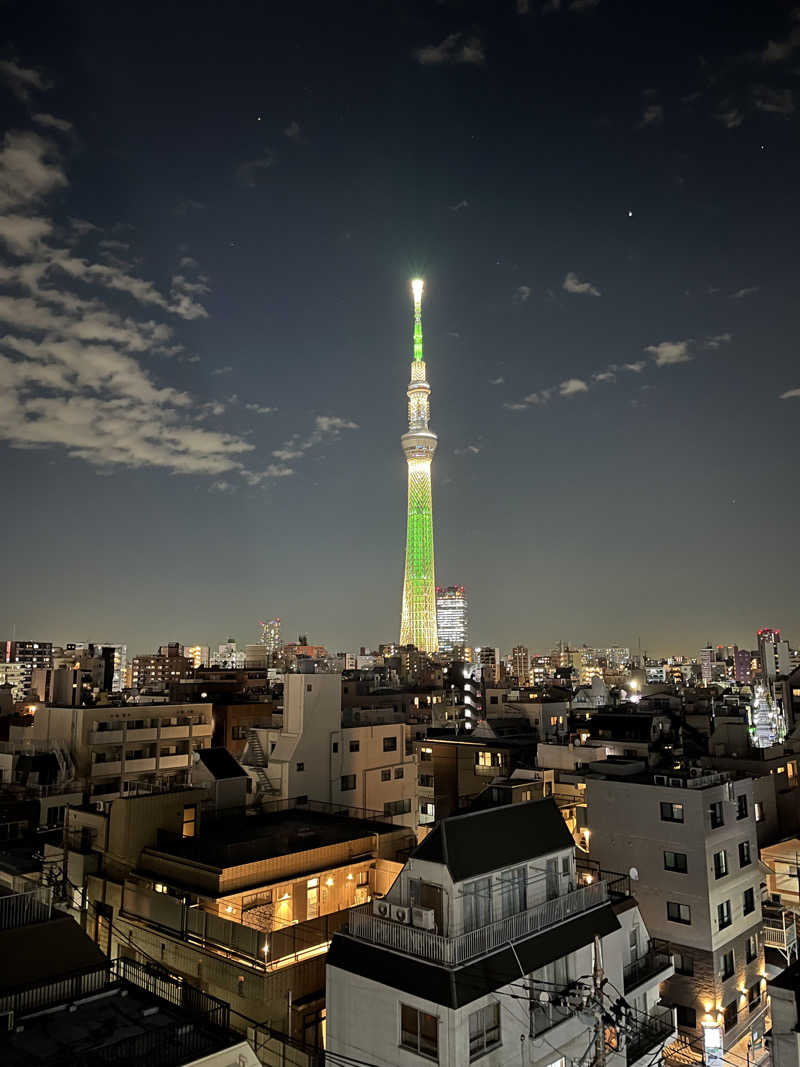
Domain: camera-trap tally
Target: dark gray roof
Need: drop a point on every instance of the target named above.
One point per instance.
(460, 986)
(483, 841)
(220, 763)
(42, 952)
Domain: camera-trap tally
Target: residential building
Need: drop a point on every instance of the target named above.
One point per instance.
(159, 671)
(742, 658)
(228, 655)
(483, 949)
(707, 660)
(488, 662)
(198, 655)
(688, 839)
(520, 664)
(271, 637)
(32, 655)
(18, 677)
(452, 619)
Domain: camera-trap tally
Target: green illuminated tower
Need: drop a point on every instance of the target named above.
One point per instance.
(418, 623)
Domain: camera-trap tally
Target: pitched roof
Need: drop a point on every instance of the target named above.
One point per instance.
(483, 841)
(43, 952)
(220, 763)
(463, 985)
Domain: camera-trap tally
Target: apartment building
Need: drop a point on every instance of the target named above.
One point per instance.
(371, 767)
(481, 950)
(116, 749)
(688, 840)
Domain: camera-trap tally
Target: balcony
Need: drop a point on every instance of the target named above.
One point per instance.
(106, 737)
(136, 766)
(180, 759)
(647, 1032)
(166, 732)
(454, 951)
(142, 733)
(650, 967)
(202, 729)
(106, 768)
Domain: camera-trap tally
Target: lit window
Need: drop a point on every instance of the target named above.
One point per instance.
(189, 820)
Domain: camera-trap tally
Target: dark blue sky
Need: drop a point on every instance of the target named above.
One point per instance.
(602, 198)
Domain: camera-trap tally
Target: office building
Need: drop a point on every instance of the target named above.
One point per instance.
(271, 636)
(774, 655)
(520, 664)
(418, 618)
(452, 619)
(31, 655)
(197, 655)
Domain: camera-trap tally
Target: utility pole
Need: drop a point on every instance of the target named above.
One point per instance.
(597, 992)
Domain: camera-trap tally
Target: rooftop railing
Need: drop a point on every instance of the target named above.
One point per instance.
(454, 951)
(20, 909)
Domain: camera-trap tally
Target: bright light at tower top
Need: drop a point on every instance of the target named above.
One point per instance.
(417, 285)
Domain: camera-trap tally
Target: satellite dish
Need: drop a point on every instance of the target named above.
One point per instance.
(634, 873)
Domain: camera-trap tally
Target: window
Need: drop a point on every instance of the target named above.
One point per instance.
(398, 772)
(425, 754)
(686, 1017)
(484, 1030)
(683, 964)
(386, 775)
(512, 891)
(492, 700)
(484, 759)
(679, 913)
(754, 996)
(741, 806)
(566, 865)
(477, 902)
(301, 766)
(558, 1063)
(355, 746)
(744, 854)
(390, 744)
(335, 746)
(426, 781)
(748, 902)
(189, 819)
(758, 811)
(671, 812)
(727, 968)
(419, 1032)
(715, 814)
(751, 951)
(724, 914)
(397, 807)
(731, 1013)
(675, 861)
(720, 864)
(348, 782)
(309, 687)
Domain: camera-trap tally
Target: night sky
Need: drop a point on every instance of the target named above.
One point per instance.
(210, 216)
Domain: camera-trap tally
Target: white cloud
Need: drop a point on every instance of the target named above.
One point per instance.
(470, 450)
(497, 381)
(542, 397)
(454, 49)
(740, 294)
(790, 394)
(22, 81)
(260, 409)
(223, 370)
(716, 340)
(294, 133)
(22, 233)
(668, 353)
(573, 386)
(51, 122)
(636, 367)
(288, 454)
(604, 376)
(516, 407)
(774, 101)
(29, 170)
(522, 294)
(459, 206)
(572, 285)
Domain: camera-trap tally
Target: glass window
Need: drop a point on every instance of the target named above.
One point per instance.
(744, 854)
(355, 746)
(386, 775)
(398, 772)
(679, 913)
(484, 1030)
(512, 892)
(419, 1032)
(335, 746)
(754, 996)
(724, 914)
(683, 964)
(675, 861)
(189, 820)
(686, 1017)
(741, 807)
(671, 812)
(727, 965)
(390, 744)
(716, 815)
(731, 1013)
(751, 952)
(348, 782)
(301, 766)
(477, 900)
(720, 864)
(758, 811)
(748, 902)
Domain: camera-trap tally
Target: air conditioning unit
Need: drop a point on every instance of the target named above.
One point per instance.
(659, 779)
(400, 914)
(423, 918)
(382, 908)
(676, 781)
(100, 806)
(695, 772)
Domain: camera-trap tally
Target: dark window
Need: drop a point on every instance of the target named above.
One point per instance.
(397, 807)
(751, 952)
(386, 775)
(355, 746)
(748, 902)
(675, 861)
(335, 746)
(731, 1013)
(727, 964)
(671, 812)
(309, 687)
(301, 766)
(754, 996)
(741, 807)
(390, 744)
(686, 1016)
(724, 914)
(683, 964)
(679, 913)
(348, 782)
(419, 1032)
(715, 813)
(492, 700)
(720, 864)
(398, 772)
(744, 854)
(484, 1030)
(426, 781)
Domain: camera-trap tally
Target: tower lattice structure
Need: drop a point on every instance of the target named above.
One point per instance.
(418, 622)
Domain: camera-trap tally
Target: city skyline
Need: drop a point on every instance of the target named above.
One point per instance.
(204, 320)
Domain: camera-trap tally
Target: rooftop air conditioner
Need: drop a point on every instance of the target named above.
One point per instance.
(695, 772)
(659, 779)
(381, 908)
(400, 914)
(676, 781)
(423, 918)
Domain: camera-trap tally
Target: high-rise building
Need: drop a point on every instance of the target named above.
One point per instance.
(452, 618)
(707, 664)
(33, 655)
(228, 655)
(521, 664)
(198, 655)
(774, 655)
(418, 621)
(741, 665)
(271, 635)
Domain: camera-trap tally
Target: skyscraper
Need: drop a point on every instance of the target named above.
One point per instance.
(452, 618)
(418, 621)
(520, 664)
(271, 635)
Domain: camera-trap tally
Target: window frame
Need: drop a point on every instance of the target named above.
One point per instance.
(721, 868)
(416, 1047)
(676, 868)
(749, 851)
(742, 811)
(721, 912)
(487, 1027)
(728, 968)
(347, 788)
(677, 904)
(752, 896)
(672, 805)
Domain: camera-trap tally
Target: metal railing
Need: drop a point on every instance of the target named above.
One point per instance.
(645, 1032)
(589, 871)
(20, 909)
(453, 951)
(657, 958)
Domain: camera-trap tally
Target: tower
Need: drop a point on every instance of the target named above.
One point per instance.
(418, 623)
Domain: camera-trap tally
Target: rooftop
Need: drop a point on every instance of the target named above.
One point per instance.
(220, 763)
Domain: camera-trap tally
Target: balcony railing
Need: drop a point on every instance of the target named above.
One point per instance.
(646, 1032)
(19, 909)
(779, 935)
(653, 962)
(453, 951)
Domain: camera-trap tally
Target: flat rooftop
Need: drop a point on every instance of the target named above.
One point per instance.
(233, 841)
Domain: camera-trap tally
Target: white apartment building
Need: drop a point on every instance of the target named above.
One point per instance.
(689, 843)
(481, 950)
(367, 766)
